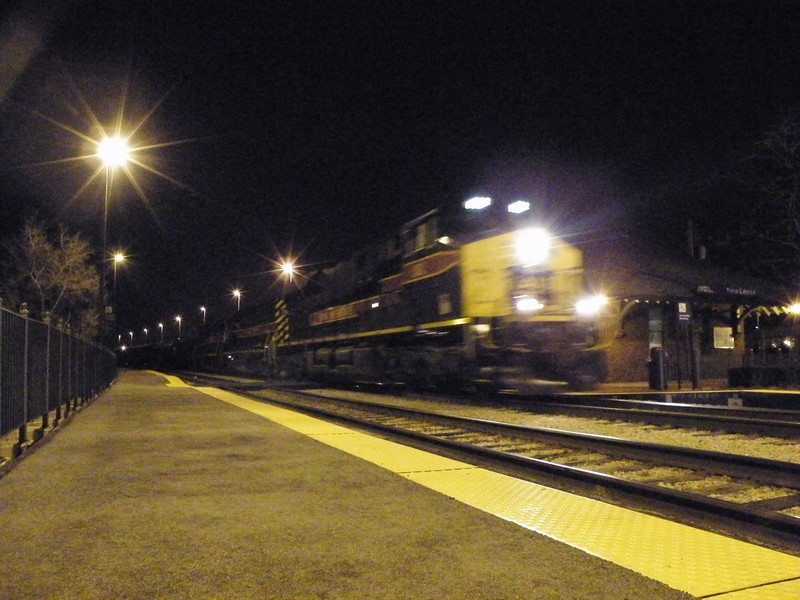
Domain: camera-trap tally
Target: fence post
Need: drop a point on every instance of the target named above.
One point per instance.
(16, 450)
(60, 397)
(2, 339)
(46, 415)
(69, 371)
(85, 377)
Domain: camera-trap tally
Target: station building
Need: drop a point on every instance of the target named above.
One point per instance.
(682, 322)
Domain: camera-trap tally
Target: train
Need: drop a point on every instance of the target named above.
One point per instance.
(476, 296)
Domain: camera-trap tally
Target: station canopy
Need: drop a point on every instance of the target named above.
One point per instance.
(625, 269)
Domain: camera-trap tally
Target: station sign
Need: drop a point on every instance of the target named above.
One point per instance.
(684, 312)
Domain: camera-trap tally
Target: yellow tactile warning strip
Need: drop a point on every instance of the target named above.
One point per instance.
(700, 563)
(172, 381)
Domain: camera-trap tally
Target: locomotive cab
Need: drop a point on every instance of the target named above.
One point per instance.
(526, 291)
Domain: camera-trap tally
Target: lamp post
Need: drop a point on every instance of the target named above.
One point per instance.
(178, 320)
(114, 152)
(203, 310)
(161, 330)
(237, 293)
(145, 335)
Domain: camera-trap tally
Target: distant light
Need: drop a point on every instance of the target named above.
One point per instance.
(288, 270)
(794, 308)
(477, 203)
(113, 151)
(518, 207)
(119, 257)
(590, 306)
(533, 246)
(445, 240)
(528, 304)
(376, 304)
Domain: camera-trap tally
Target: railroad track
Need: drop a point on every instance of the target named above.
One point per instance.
(761, 421)
(726, 490)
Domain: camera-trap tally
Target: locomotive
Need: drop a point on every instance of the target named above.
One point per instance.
(476, 296)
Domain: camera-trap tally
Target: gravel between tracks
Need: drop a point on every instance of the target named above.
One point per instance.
(735, 443)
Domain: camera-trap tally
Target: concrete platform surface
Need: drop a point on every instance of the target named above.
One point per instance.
(157, 491)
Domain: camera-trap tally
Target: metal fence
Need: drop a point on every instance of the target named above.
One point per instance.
(45, 372)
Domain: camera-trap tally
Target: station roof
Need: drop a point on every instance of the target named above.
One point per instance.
(623, 268)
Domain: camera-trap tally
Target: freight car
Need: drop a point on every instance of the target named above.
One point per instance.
(474, 297)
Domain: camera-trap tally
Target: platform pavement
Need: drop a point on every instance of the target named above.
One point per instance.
(165, 492)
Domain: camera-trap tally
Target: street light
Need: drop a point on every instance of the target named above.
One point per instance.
(145, 335)
(178, 321)
(161, 329)
(203, 310)
(131, 334)
(118, 259)
(114, 152)
(287, 269)
(237, 293)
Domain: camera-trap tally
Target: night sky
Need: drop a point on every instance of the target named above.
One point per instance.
(280, 128)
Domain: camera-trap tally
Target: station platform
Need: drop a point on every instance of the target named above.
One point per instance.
(159, 489)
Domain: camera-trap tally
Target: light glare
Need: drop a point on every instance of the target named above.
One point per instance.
(528, 304)
(113, 151)
(590, 306)
(519, 207)
(477, 203)
(533, 246)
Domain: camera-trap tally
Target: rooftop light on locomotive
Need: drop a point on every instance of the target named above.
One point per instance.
(519, 207)
(478, 203)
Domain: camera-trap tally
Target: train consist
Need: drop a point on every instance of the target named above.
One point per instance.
(474, 296)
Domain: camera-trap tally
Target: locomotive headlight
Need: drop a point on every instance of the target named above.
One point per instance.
(589, 307)
(533, 246)
(528, 304)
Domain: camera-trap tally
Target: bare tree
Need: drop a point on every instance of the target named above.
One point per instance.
(54, 276)
(771, 223)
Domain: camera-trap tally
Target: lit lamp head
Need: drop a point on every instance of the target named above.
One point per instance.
(287, 269)
(113, 151)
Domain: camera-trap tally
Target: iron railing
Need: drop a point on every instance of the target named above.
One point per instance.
(45, 371)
